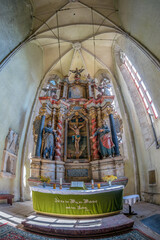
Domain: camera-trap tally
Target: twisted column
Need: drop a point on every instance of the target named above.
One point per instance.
(94, 140)
(58, 154)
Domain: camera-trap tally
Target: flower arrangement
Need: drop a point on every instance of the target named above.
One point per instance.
(108, 178)
(45, 179)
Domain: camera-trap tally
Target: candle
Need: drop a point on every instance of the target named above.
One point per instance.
(92, 182)
(60, 181)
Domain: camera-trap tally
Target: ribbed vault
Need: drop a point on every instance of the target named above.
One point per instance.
(75, 34)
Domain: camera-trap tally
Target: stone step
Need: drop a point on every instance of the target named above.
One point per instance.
(68, 227)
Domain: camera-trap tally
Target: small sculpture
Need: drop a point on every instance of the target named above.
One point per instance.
(105, 144)
(77, 72)
(89, 79)
(104, 89)
(51, 90)
(49, 136)
(97, 93)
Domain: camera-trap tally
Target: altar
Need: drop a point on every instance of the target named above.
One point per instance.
(77, 133)
(78, 203)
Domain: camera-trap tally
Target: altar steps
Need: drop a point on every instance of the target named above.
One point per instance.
(78, 228)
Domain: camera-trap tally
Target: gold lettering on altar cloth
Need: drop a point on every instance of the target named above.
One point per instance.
(73, 201)
(77, 206)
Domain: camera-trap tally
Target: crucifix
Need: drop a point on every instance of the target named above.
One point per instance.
(77, 136)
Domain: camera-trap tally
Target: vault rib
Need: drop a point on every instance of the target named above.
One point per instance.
(75, 24)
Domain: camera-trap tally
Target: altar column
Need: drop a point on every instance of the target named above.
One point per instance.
(58, 153)
(93, 124)
(65, 89)
(60, 170)
(65, 143)
(39, 139)
(99, 115)
(58, 93)
(53, 118)
(90, 89)
(114, 134)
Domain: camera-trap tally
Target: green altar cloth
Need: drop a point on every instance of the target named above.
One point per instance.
(85, 203)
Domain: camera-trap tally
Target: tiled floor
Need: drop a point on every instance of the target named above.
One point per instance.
(20, 210)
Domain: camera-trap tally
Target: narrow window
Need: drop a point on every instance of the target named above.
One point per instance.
(148, 103)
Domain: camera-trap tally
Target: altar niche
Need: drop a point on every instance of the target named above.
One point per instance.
(76, 138)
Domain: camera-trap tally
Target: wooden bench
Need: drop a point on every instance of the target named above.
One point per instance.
(8, 197)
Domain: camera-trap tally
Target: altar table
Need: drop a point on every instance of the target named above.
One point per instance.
(78, 203)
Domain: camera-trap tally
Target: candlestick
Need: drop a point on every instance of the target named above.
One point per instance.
(92, 182)
(60, 181)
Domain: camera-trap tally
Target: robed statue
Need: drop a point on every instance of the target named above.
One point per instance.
(105, 144)
(48, 141)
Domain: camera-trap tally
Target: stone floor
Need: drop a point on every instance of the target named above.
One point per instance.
(18, 212)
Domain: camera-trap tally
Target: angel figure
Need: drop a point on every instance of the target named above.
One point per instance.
(77, 72)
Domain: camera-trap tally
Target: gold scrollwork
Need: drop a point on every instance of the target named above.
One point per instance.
(43, 110)
(36, 125)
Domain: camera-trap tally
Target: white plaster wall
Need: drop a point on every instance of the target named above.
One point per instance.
(130, 169)
(140, 18)
(147, 159)
(16, 23)
(19, 81)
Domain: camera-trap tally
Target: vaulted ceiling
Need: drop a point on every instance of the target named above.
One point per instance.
(75, 34)
(79, 33)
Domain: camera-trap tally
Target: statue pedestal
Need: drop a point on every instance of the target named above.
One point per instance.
(119, 166)
(42, 167)
(108, 166)
(35, 168)
(48, 168)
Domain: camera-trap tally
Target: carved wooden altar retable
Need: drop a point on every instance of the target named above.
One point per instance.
(75, 110)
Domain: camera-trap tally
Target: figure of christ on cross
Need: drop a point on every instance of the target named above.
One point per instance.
(77, 136)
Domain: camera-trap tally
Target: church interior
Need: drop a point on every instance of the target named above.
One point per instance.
(80, 119)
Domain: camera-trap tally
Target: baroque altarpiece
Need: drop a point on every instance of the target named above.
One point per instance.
(77, 131)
